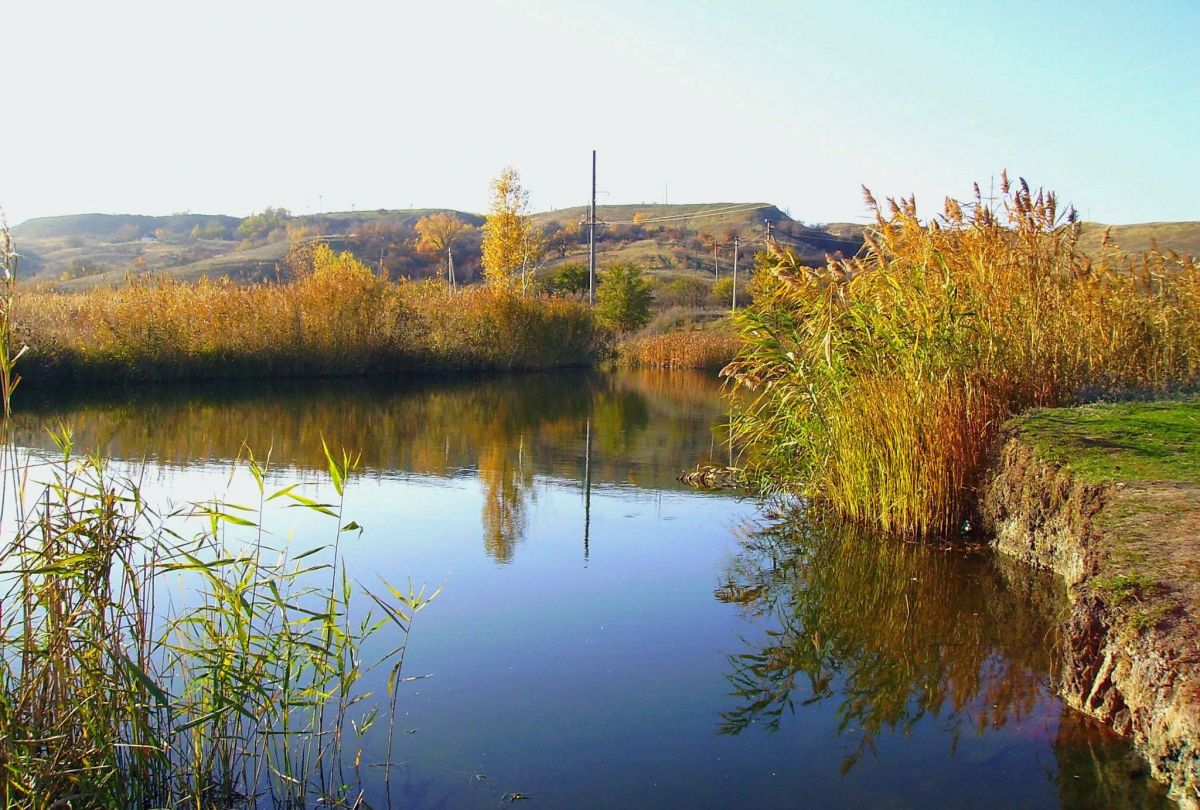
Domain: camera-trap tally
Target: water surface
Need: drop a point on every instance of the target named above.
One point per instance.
(609, 638)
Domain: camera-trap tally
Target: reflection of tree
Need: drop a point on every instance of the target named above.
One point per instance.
(892, 632)
(507, 476)
(645, 426)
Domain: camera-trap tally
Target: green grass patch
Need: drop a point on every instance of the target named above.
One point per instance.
(1121, 588)
(1135, 441)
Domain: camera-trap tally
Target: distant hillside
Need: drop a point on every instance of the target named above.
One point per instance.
(696, 217)
(86, 250)
(115, 227)
(1181, 237)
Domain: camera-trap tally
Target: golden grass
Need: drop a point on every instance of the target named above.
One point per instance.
(699, 349)
(881, 381)
(335, 318)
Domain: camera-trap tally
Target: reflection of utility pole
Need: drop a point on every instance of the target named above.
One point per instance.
(735, 252)
(587, 488)
(592, 237)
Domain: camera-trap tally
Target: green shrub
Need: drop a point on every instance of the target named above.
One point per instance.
(624, 298)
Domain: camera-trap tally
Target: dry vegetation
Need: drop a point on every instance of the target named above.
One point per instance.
(881, 381)
(335, 318)
(694, 348)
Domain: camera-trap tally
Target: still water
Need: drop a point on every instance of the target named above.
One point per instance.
(606, 637)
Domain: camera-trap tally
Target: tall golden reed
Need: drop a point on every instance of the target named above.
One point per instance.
(334, 318)
(881, 381)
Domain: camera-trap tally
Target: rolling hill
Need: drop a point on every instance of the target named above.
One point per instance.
(87, 250)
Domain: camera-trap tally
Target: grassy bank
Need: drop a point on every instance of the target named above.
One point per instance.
(335, 318)
(1145, 458)
(1122, 442)
(881, 382)
(1108, 496)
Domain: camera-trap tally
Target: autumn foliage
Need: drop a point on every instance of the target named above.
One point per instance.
(335, 318)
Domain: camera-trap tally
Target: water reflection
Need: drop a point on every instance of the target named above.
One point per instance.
(600, 430)
(891, 632)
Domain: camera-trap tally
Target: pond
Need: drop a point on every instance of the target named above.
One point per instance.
(607, 637)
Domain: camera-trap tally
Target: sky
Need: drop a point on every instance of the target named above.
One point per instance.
(228, 107)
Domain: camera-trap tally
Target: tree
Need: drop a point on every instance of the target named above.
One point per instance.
(624, 298)
(436, 234)
(256, 226)
(570, 278)
(512, 246)
(563, 238)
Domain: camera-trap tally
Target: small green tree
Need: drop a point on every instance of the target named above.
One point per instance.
(624, 298)
(570, 278)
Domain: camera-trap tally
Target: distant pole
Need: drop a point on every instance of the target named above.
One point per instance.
(767, 222)
(735, 253)
(450, 268)
(716, 275)
(592, 237)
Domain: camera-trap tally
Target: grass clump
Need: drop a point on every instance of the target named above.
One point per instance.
(882, 380)
(1118, 589)
(335, 317)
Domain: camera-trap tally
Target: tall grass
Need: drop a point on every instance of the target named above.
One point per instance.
(881, 381)
(335, 317)
(142, 666)
(707, 349)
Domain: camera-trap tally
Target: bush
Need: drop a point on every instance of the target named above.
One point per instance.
(685, 291)
(569, 279)
(624, 298)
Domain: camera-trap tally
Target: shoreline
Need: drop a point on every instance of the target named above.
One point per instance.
(1126, 546)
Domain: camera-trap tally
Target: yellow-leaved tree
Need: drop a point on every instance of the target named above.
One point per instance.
(437, 233)
(512, 245)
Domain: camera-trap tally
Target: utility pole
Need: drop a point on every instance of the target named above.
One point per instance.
(767, 222)
(716, 274)
(592, 237)
(735, 253)
(450, 268)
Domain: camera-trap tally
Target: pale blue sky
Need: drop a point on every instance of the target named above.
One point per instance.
(226, 107)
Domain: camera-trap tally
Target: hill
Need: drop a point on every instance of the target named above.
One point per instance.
(1181, 237)
(87, 250)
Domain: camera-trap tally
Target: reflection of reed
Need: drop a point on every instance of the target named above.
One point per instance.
(634, 427)
(892, 632)
(644, 429)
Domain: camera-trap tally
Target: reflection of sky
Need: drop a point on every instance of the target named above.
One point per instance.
(598, 678)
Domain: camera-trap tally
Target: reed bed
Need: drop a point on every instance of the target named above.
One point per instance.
(335, 318)
(881, 381)
(697, 349)
(144, 667)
